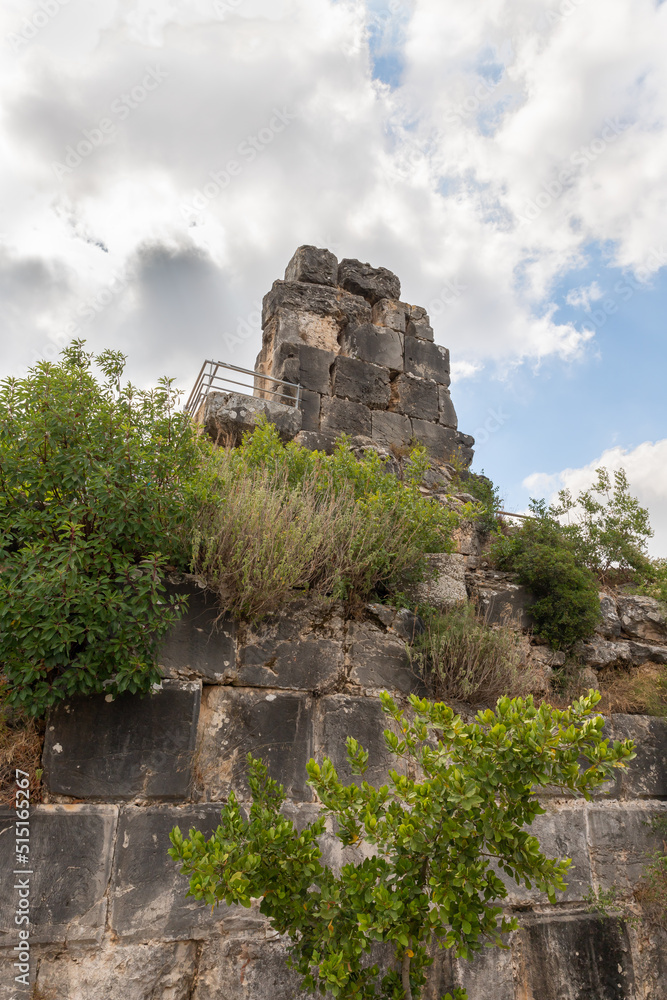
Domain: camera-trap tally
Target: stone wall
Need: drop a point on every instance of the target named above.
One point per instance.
(366, 363)
(110, 916)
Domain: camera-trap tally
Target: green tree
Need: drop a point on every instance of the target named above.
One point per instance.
(435, 842)
(94, 486)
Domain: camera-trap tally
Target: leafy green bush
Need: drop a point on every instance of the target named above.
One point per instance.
(546, 559)
(485, 494)
(94, 486)
(651, 579)
(428, 877)
(460, 657)
(281, 518)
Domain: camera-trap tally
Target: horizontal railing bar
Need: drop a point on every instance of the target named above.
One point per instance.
(210, 377)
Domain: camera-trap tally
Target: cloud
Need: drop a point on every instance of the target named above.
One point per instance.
(583, 297)
(503, 152)
(646, 468)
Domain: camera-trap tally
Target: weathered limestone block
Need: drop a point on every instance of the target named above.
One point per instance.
(599, 653)
(414, 397)
(317, 441)
(621, 837)
(379, 660)
(610, 624)
(71, 848)
(301, 298)
(419, 328)
(202, 643)
(276, 726)
(290, 326)
(427, 360)
(576, 957)
(148, 892)
(305, 365)
(642, 618)
(341, 416)
(389, 312)
(311, 404)
(303, 664)
(133, 972)
(561, 832)
(446, 412)
(442, 443)
(645, 777)
(128, 748)
(447, 587)
(377, 344)
(226, 416)
(390, 429)
(361, 382)
(500, 599)
(342, 715)
(374, 283)
(488, 977)
(246, 969)
(313, 265)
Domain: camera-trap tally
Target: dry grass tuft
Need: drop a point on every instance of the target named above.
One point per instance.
(21, 741)
(637, 691)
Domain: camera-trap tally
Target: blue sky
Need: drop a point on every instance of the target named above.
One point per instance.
(507, 159)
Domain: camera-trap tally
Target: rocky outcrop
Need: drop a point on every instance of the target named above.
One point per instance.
(632, 631)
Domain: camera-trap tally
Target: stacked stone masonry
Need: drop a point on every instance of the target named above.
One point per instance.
(110, 915)
(366, 362)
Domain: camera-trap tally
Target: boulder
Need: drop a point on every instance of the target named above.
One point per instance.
(226, 416)
(643, 617)
(610, 624)
(374, 283)
(313, 265)
(447, 587)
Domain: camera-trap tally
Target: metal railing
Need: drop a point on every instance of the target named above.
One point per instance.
(212, 377)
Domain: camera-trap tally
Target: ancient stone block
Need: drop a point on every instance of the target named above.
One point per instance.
(343, 715)
(447, 587)
(501, 600)
(446, 412)
(573, 958)
(134, 972)
(226, 416)
(202, 643)
(274, 726)
(561, 832)
(148, 892)
(313, 265)
(377, 344)
(300, 664)
(379, 660)
(306, 365)
(128, 748)
(442, 443)
(426, 360)
(71, 848)
(292, 326)
(621, 837)
(642, 617)
(610, 625)
(316, 441)
(414, 396)
(389, 312)
(464, 448)
(390, 428)
(361, 382)
(341, 416)
(310, 408)
(246, 969)
(419, 328)
(488, 976)
(315, 300)
(374, 283)
(646, 775)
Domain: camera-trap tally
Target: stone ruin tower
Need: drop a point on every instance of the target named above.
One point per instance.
(351, 359)
(366, 361)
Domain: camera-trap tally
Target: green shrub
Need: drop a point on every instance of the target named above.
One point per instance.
(545, 558)
(651, 579)
(486, 496)
(460, 657)
(434, 841)
(280, 518)
(95, 483)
